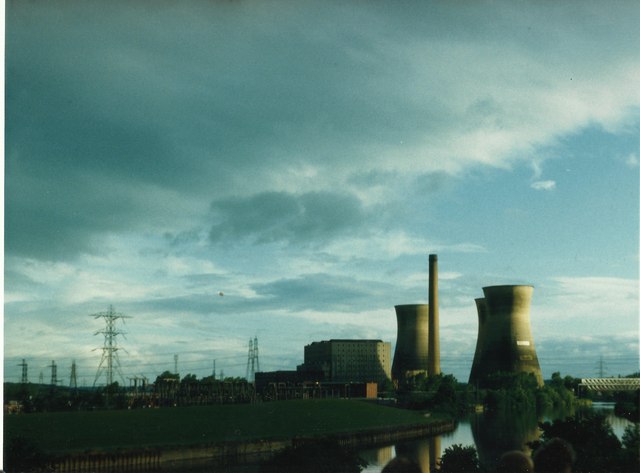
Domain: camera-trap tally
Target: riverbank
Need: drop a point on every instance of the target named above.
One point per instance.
(149, 438)
(234, 452)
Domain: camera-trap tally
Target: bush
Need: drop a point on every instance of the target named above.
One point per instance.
(459, 459)
(24, 455)
(631, 450)
(597, 448)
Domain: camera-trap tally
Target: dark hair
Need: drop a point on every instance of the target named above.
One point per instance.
(554, 456)
(515, 461)
(401, 465)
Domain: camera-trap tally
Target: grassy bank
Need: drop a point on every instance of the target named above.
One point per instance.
(182, 426)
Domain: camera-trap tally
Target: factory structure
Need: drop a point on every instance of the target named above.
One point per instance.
(418, 339)
(339, 367)
(349, 360)
(505, 343)
(358, 367)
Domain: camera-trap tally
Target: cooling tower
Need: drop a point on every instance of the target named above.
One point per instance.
(411, 354)
(434, 316)
(481, 307)
(504, 342)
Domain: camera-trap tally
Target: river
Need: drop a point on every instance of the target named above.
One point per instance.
(490, 433)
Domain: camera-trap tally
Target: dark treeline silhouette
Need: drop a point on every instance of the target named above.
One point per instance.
(167, 390)
(597, 448)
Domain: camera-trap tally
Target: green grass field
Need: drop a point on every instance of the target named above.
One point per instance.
(182, 426)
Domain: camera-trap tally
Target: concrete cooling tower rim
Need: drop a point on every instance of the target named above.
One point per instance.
(508, 286)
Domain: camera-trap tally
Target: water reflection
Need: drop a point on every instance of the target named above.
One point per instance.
(618, 424)
(424, 452)
(495, 433)
(492, 433)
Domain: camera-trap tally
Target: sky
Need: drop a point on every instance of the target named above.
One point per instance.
(219, 171)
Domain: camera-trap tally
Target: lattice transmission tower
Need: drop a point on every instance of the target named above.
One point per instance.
(73, 378)
(253, 362)
(54, 373)
(24, 379)
(110, 361)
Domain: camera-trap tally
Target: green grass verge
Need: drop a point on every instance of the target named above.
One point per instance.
(183, 426)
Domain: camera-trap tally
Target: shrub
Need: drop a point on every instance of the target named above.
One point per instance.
(459, 459)
(23, 454)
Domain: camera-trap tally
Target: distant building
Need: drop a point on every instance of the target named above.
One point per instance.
(301, 384)
(349, 360)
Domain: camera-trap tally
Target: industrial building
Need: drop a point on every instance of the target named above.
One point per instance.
(411, 357)
(418, 338)
(349, 360)
(505, 343)
(300, 384)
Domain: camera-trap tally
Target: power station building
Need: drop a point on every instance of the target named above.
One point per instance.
(417, 349)
(505, 343)
(349, 360)
(411, 356)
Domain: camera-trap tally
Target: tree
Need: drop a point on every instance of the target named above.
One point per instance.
(189, 379)
(631, 450)
(167, 375)
(459, 459)
(597, 448)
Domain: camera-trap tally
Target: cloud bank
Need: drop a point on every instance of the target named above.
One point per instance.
(304, 160)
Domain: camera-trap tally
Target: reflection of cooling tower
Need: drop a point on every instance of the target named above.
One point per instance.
(411, 354)
(496, 432)
(481, 307)
(419, 451)
(504, 339)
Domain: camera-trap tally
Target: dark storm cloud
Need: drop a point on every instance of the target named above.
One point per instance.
(317, 292)
(325, 292)
(189, 100)
(279, 216)
(210, 99)
(55, 220)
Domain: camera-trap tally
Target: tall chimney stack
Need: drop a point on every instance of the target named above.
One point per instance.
(434, 323)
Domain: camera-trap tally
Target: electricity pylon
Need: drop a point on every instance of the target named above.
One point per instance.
(110, 348)
(54, 373)
(73, 380)
(24, 379)
(253, 362)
